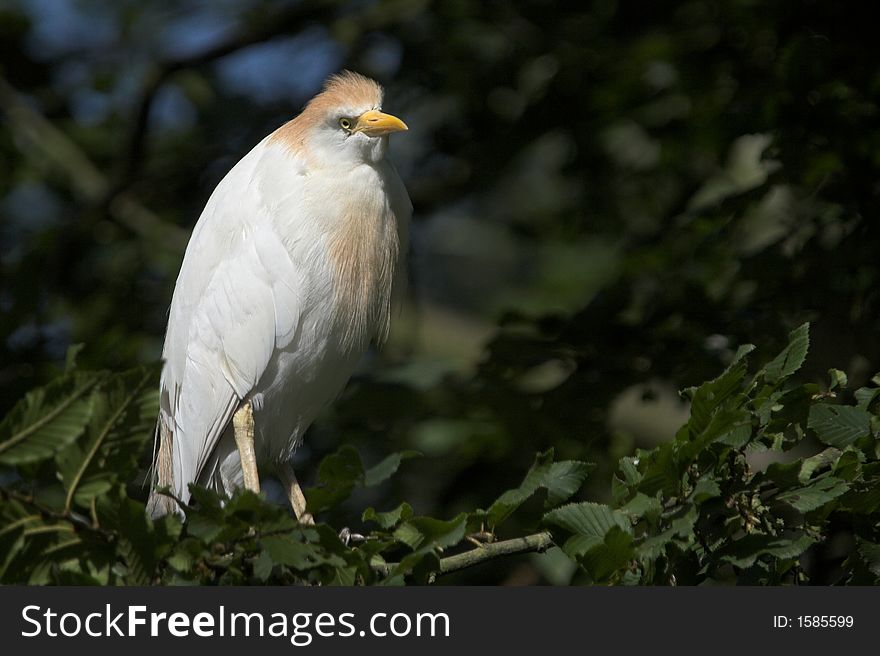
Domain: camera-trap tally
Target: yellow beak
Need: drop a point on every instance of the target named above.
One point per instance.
(374, 124)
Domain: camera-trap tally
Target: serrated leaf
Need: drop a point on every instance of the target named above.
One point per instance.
(747, 550)
(839, 425)
(564, 479)
(560, 479)
(122, 421)
(47, 419)
(629, 471)
(709, 396)
(510, 500)
(589, 519)
(792, 356)
(815, 495)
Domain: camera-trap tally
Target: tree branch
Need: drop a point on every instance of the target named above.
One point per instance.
(267, 28)
(537, 542)
(40, 141)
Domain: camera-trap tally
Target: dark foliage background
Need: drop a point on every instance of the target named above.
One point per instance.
(610, 198)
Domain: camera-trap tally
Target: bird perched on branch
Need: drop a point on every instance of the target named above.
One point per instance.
(287, 278)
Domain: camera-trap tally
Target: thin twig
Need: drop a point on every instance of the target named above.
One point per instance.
(537, 542)
(76, 521)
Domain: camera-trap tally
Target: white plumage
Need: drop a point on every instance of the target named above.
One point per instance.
(287, 277)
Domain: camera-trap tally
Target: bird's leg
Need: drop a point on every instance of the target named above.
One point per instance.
(294, 494)
(243, 426)
(298, 503)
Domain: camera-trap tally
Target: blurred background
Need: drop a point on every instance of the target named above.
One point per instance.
(609, 199)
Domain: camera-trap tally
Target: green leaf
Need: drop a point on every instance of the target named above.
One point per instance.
(865, 397)
(815, 495)
(609, 556)
(826, 458)
(746, 551)
(421, 532)
(838, 379)
(290, 550)
(724, 420)
(589, 519)
(391, 518)
(338, 474)
(263, 565)
(660, 473)
(641, 505)
(849, 465)
(706, 398)
(510, 500)
(679, 529)
(14, 519)
(386, 469)
(564, 479)
(408, 535)
(122, 421)
(738, 436)
(47, 419)
(141, 543)
(560, 479)
(870, 553)
(839, 425)
(791, 474)
(792, 356)
(705, 489)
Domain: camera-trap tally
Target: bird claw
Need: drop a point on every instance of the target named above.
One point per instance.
(348, 537)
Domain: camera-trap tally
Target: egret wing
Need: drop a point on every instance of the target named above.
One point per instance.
(235, 301)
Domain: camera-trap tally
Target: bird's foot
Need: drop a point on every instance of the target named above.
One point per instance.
(348, 537)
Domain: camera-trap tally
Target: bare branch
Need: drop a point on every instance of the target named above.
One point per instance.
(537, 542)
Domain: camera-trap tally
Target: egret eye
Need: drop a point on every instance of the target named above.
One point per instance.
(345, 123)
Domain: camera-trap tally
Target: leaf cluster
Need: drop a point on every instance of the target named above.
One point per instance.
(748, 491)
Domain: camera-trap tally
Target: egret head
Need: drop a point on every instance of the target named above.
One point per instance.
(344, 125)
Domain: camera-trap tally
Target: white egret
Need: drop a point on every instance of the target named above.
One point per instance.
(287, 278)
